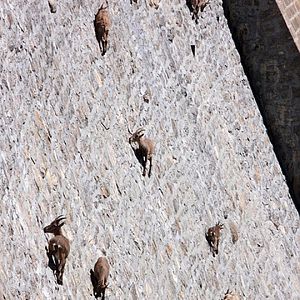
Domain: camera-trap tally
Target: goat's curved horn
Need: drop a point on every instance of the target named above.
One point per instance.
(61, 217)
(140, 130)
(61, 223)
(60, 220)
(129, 130)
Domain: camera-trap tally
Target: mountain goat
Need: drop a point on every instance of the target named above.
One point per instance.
(145, 150)
(99, 277)
(58, 247)
(102, 25)
(213, 237)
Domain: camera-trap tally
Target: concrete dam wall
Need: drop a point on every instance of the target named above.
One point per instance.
(65, 113)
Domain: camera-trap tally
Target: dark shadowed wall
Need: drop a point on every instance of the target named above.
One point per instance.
(272, 63)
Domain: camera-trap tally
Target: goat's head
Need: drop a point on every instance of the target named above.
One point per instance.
(54, 226)
(219, 226)
(136, 136)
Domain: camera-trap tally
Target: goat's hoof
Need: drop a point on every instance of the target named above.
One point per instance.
(59, 282)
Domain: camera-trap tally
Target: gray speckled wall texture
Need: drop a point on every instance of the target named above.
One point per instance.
(64, 149)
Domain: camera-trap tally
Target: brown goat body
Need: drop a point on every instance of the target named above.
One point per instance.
(99, 277)
(213, 237)
(146, 149)
(58, 247)
(102, 25)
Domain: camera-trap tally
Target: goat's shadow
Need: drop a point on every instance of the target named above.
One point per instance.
(189, 5)
(94, 283)
(51, 262)
(139, 156)
(99, 40)
(211, 246)
(52, 265)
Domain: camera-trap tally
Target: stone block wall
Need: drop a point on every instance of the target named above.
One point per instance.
(290, 10)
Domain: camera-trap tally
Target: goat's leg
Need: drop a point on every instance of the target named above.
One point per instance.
(60, 270)
(103, 294)
(195, 14)
(60, 273)
(213, 251)
(214, 248)
(144, 169)
(217, 246)
(48, 253)
(150, 166)
(144, 164)
(104, 46)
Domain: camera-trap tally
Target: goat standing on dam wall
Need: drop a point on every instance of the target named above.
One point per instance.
(58, 248)
(102, 25)
(145, 149)
(99, 277)
(213, 236)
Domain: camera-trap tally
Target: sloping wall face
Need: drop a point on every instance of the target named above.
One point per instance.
(271, 61)
(64, 150)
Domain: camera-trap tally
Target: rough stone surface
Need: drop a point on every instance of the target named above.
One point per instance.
(64, 150)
